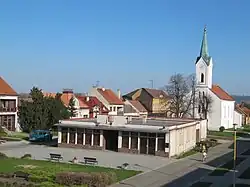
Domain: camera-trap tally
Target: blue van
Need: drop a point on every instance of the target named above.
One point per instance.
(40, 136)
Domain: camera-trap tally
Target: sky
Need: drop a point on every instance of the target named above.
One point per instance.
(56, 44)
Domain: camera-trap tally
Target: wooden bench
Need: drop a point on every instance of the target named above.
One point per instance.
(57, 157)
(21, 174)
(90, 160)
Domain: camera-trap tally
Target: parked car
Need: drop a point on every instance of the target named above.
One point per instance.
(40, 136)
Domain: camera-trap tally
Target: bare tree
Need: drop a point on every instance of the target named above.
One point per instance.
(182, 93)
(204, 105)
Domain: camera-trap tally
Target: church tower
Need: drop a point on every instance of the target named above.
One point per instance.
(204, 65)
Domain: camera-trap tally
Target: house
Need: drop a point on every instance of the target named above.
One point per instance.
(160, 137)
(95, 106)
(134, 108)
(110, 100)
(155, 101)
(81, 108)
(246, 113)
(239, 116)
(223, 105)
(8, 106)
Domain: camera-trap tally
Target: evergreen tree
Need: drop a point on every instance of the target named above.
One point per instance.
(71, 107)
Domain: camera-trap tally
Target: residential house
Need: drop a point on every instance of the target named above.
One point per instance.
(96, 106)
(246, 113)
(134, 108)
(110, 100)
(223, 105)
(154, 100)
(8, 106)
(81, 108)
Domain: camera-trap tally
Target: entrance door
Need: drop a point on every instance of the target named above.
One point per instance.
(151, 146)
(197, 135)
(143, 145)
(111, 140)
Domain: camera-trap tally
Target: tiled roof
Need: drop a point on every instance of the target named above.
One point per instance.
(246, 110)
(47, 94)
(138, 105)
(93, 101)
(110, 96)
(155, 93)
(222, 94)
(5, 88)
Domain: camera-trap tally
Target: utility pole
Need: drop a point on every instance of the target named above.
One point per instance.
(152, 83)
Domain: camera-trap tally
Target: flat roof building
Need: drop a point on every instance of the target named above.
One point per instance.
(153, 136)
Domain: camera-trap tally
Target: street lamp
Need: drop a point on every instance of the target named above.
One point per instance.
(235, 153)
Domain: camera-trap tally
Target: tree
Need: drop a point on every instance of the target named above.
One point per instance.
(181, 91)
(204, 105)
(42, 112)
(72, 108)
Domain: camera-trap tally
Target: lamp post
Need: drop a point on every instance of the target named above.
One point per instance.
(235, 154)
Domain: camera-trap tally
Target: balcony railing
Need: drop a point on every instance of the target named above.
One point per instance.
(7, 109)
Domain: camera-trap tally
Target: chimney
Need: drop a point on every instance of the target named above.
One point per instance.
(119, 93)
(103, 89)
(87, 98)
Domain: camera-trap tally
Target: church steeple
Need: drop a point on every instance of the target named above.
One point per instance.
(204, 47)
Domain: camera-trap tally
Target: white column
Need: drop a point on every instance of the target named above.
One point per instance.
(59, 135)
(129, 140)
(156, 143)
(76, 136)
(147, 145)
(101, 138)
(92, 138)
(119, 139)
(167, 141)
(83, 142)
(139, 140)
(68, 136)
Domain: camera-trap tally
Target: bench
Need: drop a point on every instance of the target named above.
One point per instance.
(21, 174)
(57, 157)
(90, 160)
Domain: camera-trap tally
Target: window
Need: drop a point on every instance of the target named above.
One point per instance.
(64, 135)
(199, 95)
(8, 122)
(97, 137)
(88, 137)
(161, 142)
(85, 116)
(202, 78)
(114, 108)
(80, 136)
(72, 134)
(199, 109)
(125, 139)
(134, 140)
(110, 109)
(203, 94)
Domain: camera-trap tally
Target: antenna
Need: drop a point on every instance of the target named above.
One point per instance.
(97, 83)
(152, 83)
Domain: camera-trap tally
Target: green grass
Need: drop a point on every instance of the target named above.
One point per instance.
(15, 136)
(188, 153)
(47, 169)
(218, 133)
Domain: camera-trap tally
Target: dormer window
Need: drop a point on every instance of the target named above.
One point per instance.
(202, 77)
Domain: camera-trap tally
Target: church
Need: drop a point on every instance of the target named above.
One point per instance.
(221, 111)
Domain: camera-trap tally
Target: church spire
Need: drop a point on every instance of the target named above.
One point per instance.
(204, 47)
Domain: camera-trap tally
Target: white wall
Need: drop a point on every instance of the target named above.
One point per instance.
(227, 114)
(238, 119)
(17, 125)
(201, 67)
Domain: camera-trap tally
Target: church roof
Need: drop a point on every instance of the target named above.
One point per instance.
(204, 49)
(222, 94)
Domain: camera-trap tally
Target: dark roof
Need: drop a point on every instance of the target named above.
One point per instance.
(155, 93)
(137, 104)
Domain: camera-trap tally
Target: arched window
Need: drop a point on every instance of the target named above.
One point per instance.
(202, 77)
(203, 94)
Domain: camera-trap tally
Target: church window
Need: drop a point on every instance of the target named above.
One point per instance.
(199, 95)
(203, 94)
(199, 109)
(202, 77)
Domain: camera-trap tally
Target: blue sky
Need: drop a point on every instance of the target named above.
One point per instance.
(55, 44)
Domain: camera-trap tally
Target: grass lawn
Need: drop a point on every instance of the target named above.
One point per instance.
(226, 167)
(47, 169)
(201, 184)
(15, 136)
(218, 133)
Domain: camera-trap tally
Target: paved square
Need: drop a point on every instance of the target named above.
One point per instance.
(105, 158)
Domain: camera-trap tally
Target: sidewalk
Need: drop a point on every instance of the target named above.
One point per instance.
(166, 174)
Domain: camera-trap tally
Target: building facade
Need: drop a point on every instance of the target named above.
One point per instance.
(160, 137)
(8, 107)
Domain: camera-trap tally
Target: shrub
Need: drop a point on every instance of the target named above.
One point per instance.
(7, 182)
(222, 128)
(3, 156)
(90, 179)
(26, 156)
(37, 179)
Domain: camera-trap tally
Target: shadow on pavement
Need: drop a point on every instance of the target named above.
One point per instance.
(192, 178)
(52, 143)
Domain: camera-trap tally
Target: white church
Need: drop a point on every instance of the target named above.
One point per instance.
(222, 111)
